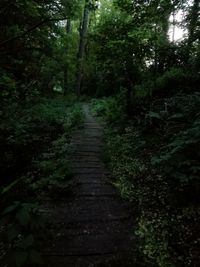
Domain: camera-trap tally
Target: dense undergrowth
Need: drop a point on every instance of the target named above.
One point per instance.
(154, 158)
(128, 50)
(35, 148)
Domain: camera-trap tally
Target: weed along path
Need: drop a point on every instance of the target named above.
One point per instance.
(92, 227)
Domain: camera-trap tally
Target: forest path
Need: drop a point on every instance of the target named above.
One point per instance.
(93, 227)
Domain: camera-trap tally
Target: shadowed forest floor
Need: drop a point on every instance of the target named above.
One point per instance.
(94, 226)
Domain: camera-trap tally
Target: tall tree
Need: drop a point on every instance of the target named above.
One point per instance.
(29, 43)
(89, 5)
(66, 66)
(80, 55)
(193, 27)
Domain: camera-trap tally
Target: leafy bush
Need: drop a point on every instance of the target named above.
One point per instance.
(155, 165)
(178, 157)
(171, 81)
(109, 108)
(20, 222)
(153, 231)
(43, 129)
(52, 171)
(26, 131)
(8, 86)
(120, 150)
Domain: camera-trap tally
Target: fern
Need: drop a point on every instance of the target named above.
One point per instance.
(180, 158)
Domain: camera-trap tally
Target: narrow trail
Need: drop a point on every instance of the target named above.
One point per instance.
(93, 227)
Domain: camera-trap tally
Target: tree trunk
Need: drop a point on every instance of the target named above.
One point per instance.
(80, 54)
(174, 27)
(193, 16)
(66, 68)
(192, 26)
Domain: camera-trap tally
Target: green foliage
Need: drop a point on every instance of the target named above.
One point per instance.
(176, 80)
(154, 156)
(130, 172)
(173, 79)
(170, 82)
(52, 173)
(33, 46)
(155, 164)
(8, 86)
(51, 170)
(184, 147)
(152, 229)
(38, 135)
(121, 149)
(109, 108)
(31, 128)
(21, 221)
(181, 127)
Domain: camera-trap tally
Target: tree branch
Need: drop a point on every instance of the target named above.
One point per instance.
(30, 30)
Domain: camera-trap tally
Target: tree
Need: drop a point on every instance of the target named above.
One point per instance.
(80, 55)
(66, 66)
(89, 5)
(28, 40)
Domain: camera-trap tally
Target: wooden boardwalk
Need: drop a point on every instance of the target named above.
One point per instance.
(93, 226)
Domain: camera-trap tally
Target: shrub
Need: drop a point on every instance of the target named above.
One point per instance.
(20, 221)
(26, 131)
(109, 108)
(179, 159)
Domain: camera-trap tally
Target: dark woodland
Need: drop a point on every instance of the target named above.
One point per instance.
(99, 133)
